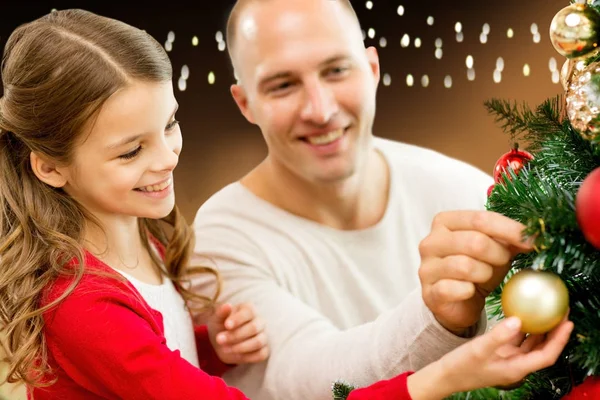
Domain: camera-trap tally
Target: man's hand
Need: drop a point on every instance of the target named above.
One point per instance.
(464, 258)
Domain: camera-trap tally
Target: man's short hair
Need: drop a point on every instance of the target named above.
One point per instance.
(232, 20)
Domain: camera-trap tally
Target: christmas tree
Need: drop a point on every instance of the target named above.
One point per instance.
(551, 184)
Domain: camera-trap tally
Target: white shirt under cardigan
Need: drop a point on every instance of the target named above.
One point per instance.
(177, 321)
(338, 304)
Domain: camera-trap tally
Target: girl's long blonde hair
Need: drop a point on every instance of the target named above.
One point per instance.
(57, 71)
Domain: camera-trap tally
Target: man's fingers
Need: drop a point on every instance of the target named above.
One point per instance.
(473, 244)
(457, 267)
(489, 223)
(451, 291)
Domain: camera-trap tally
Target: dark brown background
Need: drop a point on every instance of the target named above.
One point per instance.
(220, 146)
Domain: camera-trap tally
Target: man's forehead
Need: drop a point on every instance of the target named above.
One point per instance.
(264, 17)
(268, 31)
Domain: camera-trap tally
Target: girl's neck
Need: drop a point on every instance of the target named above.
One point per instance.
(118, 244)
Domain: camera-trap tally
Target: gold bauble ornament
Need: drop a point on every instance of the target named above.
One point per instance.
(539, 299)
(574, 30)
(583, 101)
(565, 73)
(572, 69)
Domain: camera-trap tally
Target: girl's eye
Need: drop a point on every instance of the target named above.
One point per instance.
(131, 154)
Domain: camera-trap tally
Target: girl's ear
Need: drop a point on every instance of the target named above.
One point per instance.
(47, 171)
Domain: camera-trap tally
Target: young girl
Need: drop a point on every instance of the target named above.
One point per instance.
(92, 294)
(91, 289)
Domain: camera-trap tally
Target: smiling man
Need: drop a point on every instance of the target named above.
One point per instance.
(346, 243)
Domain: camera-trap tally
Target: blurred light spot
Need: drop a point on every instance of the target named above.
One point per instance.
(510, 33)
(430, 20)
(458, 27)
(471, 74)
(459, 37)
(469, 61)
(219, 36)
(195, 41)
(185, 72)
(369, 5)
(400, 10)
(168, 46)
(500, 64)
(526, 70)
(439, 53)
(424, 81)
(371, 33)
(555, 76)
(537, 37)
(171, 36)
(417, 42)
(497, 76)
(410, 80)
(552, 64)
(405, 41)
(182, 84)
(382, 42)
(438, 42)
(211, 77)
(387, 80)
(486, 29)
(483, 38)
(221, 46)
(534, 28)
(448, 81)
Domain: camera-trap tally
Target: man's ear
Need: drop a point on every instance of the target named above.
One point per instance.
(47, 171)
(241, 99)
(373, 59)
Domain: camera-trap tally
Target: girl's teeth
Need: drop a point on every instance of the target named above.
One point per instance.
(326, 138)
(156, 188)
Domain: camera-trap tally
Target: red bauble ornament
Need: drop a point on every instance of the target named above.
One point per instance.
(587, 208)
(588, 390)
(489, 192)
(514, 159)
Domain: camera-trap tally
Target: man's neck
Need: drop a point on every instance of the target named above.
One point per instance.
(357, 202)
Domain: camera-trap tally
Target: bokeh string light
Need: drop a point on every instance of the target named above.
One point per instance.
(406, 41)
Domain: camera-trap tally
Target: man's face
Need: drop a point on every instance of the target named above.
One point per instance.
(308, 82)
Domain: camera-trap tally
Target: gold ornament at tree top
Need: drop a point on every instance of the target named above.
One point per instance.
(574, 30)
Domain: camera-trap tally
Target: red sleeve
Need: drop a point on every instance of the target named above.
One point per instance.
(209, 360)
(395, 388)
(110, 344)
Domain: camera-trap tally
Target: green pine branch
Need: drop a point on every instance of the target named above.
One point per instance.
(521, 123)
(515, 118)
(542, 196)
(341, 390)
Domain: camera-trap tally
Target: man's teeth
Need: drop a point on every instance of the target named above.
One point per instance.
(326, 138)
(156, 188)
